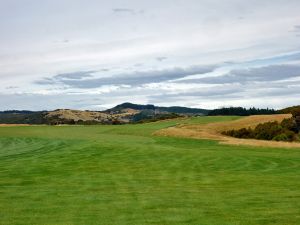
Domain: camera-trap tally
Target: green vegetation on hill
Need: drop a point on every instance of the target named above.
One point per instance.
(172, 109)
(128, 105)
(122, 175)
(22, 117)
(147, 116)
(290, 109)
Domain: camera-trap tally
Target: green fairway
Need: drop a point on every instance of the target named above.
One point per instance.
(122, 175)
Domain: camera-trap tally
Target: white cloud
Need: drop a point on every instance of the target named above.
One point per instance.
(40, 39)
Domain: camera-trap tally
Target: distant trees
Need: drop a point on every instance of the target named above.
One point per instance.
(240, 111)
(22, 117)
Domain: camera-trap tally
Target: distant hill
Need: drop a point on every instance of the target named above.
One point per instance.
(22, 117)
(120, 114)
(159, 109)
(128, 105)
(123, 113)
(184, 110)
(17, 112)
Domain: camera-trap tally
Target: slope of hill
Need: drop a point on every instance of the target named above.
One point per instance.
(22, 117)
(160, 109)
(68, 116)
(290, 109)
(120, 114)
(123, 113)
(214, 131)
(128, 105)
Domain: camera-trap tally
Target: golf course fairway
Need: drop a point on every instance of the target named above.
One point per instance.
(125, 175)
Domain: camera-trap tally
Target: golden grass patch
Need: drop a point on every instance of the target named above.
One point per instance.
(214, 131)
(14, 125)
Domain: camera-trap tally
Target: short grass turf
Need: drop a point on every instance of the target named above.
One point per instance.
(122, 175)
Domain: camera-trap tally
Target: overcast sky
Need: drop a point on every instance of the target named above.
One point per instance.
(198, 53)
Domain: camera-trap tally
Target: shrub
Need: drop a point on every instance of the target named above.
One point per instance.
(287, 135)
(290, 124)
(285, 131)
(267, 131)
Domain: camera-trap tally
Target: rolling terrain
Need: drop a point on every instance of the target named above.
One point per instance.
(120, 114)
(124, 174)
(214, 131)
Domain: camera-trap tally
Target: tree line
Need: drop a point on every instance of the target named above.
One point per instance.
(240, 111)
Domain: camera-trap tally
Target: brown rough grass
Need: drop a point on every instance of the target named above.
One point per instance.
(14, 125)
(77, 115)
(213, 131)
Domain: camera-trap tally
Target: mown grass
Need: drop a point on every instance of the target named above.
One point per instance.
(115, 175)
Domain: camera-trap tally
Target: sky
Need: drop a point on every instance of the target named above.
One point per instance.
(196, 53)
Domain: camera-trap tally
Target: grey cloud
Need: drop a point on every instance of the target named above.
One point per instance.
(74, 76)
(220, 92)
(144, 77)
(138, 64)
(127, 10)
(232, 92)
(105, 70)
(297, 30)
(162, 58)
(12, 87)
(27, 101)
(45, 81)
(61, 78)
(64, 41)
(133, 78)
(262, 74)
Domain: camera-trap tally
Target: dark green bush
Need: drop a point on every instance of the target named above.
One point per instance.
(286, 136)
(241, 133)
(267, 131)
(290, 124)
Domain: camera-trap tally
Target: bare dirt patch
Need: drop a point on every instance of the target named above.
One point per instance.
(214, 131)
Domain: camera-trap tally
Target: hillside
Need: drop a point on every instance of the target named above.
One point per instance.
(22, 117)
(160, 109)
(214, 131)
(124, 113)
(120, 114)
(290, 109)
